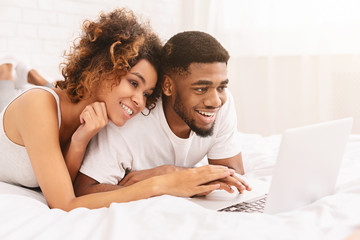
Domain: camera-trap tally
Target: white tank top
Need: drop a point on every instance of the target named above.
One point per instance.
(15, 165)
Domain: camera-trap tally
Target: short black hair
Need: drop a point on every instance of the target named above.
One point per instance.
(191, 47)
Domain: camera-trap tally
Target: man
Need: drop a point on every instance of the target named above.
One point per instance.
(194, 119)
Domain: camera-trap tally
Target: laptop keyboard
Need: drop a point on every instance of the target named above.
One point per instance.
(256, 205)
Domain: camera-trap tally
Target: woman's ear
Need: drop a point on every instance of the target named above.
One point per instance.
(167, 85)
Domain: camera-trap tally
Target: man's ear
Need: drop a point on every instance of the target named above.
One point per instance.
(167, 85)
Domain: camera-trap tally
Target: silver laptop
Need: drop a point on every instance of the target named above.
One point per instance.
(306, 170)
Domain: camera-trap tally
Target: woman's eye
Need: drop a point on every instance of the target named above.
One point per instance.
(134, 83)
(147, 95)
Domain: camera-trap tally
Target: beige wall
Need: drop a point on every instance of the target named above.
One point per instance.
(275, 93)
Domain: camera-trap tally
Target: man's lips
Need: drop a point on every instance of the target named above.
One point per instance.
(207, 116)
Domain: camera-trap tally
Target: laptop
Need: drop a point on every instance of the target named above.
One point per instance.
(306, 170)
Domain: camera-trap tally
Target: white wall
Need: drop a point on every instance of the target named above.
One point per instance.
(290, 64)
(39, 31)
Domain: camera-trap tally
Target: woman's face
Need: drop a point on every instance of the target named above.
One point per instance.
(129, 97)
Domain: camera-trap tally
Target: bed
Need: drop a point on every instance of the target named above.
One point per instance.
(24, 213)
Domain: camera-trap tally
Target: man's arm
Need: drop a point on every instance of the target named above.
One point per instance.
(234, 162)
(85, 185)
(137, 176)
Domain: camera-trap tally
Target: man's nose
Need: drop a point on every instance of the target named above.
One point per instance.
(213, 99)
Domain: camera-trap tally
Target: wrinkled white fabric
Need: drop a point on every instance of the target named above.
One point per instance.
(25, 215)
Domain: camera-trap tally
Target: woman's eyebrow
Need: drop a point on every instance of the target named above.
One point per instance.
(139, 76)
(142, 79)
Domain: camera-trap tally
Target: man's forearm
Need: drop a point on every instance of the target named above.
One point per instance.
(137, 176)
(85, 185)
(235, 163)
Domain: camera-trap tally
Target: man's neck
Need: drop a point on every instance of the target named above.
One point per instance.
(176, 124)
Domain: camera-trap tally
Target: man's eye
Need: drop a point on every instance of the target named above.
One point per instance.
(201, 90)
(134, 83)
(222, 88)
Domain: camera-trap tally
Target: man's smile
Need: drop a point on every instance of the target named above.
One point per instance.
(207, 117)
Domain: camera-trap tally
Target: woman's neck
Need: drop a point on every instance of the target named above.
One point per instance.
(70, 114)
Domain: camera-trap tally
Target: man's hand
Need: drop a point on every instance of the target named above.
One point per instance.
(137, 176)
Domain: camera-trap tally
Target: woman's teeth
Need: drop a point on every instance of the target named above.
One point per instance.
(206, 114)
(127, 110)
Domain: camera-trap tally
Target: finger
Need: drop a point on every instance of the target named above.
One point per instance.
(82, 118)
(215, 169)
(85, 117)
(206, 188)
(208, 173)
(226, 187)
(100, 111)
(231, 180)
(90, 110)
(97, 110)
(243, 181)
(122, 182)
(104, 112)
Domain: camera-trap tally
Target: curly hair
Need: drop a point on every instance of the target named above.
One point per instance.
(106, 51)
(191, 47)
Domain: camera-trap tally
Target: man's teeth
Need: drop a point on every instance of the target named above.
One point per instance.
(128, 110)
(207, 114)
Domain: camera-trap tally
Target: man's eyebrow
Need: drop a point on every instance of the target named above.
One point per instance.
(225, 82)
(202, 82)
(139, 76)
(207, 82)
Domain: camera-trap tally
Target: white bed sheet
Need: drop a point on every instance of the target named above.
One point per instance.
(25, 215)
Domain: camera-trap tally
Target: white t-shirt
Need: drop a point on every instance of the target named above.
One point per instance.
(147, 142)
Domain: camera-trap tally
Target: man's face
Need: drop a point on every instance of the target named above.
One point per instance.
(199, 95)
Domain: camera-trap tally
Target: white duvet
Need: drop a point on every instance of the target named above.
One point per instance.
(25, 215)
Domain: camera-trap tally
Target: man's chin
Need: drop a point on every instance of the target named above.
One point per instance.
(204, 132)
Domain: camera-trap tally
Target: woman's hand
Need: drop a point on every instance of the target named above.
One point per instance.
(93, 118)
(227, 184)
(192, 181)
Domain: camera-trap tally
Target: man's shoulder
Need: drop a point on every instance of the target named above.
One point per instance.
(136, 125)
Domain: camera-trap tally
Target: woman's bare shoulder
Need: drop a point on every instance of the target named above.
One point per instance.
(34, 105)
(35, 110)
(35, 98)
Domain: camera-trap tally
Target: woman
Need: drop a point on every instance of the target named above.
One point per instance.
(110, 73)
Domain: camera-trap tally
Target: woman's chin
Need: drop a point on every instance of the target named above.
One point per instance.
(119, 123)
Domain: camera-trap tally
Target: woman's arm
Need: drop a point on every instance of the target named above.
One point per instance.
(92, 119)
(37, 123)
